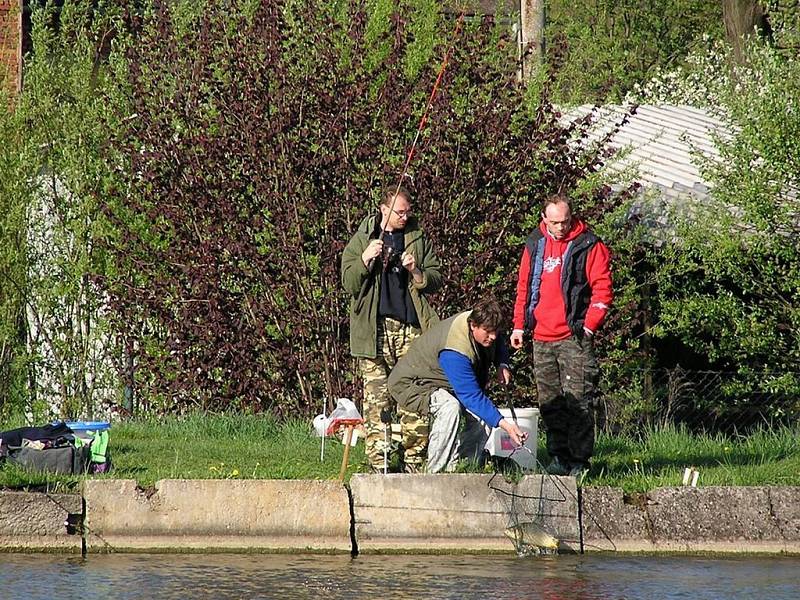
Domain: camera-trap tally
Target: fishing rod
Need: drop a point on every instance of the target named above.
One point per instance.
(420, 127)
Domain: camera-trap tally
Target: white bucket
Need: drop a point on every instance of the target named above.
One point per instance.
(500, 443)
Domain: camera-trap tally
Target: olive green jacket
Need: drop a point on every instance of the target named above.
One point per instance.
(418, 374)
(364, 312)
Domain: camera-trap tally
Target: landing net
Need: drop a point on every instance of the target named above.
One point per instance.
(527, 501)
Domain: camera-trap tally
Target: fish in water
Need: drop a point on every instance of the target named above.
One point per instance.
(531, 534)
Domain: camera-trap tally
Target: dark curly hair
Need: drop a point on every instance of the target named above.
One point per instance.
(488, 314)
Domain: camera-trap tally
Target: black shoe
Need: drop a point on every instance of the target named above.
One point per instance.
(578, 470)
(557, 467)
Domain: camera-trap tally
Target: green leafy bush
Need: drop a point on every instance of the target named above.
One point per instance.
(58, 350)
(610, 46)
(728, 291)
(255, 143)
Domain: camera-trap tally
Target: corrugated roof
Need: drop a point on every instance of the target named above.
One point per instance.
(661, 143)
(662, 146)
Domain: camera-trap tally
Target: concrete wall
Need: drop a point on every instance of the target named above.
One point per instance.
(458, 512)
(399, 513)
(217, 514)
(36, 521)
(718, 519)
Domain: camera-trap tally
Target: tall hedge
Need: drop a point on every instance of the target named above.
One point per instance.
(259, 135)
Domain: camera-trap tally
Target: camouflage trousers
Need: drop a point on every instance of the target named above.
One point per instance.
(414, 429)
(566, 378)
(394, 339)
(436, 437)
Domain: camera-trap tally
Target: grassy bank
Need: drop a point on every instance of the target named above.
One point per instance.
(659, 457)
(256, 447)
(210, 447)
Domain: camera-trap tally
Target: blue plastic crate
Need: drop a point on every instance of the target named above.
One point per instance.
(79, 426)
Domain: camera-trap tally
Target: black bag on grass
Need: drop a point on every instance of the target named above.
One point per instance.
(51, 449)
(64, 460)
(52, 432)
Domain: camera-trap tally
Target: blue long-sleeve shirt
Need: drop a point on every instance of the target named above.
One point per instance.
(461, 376)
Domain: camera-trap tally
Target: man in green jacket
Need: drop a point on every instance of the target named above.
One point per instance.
(388, 267)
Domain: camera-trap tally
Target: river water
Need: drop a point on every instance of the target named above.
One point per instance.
(223, 576)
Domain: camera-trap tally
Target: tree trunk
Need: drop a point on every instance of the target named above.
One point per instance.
(532, 21)
(742, 19)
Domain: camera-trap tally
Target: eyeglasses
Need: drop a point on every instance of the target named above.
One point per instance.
(402, 213)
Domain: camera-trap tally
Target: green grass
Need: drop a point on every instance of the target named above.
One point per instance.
(207, 447)
(224, 447)
(257, 447)
(658, 459)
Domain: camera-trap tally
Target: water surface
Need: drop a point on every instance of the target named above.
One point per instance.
(223, 576)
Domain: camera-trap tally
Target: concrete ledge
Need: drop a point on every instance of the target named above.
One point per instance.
(457, 512)
(195, 515)
(685, 519)
(35, 521)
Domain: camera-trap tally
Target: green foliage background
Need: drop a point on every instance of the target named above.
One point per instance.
(605, 47)
(118, 145)
(52, 168)
(732, 289)
(247, 169)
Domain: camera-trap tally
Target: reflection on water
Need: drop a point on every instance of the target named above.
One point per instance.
(164, 576)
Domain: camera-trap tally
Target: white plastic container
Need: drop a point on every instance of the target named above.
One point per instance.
(500, 443)
(320, 423)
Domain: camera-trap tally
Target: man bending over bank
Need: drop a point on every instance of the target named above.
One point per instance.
(444, 375)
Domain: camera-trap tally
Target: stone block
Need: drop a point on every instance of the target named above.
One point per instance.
(784, 506)
(458, 512)
(217, 514)
(714, 518)
(36, 521)
(607, 515)
(685, 514)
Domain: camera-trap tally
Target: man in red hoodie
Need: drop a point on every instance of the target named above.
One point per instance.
(563, 294)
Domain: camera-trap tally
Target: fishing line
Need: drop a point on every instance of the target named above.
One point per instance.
(428, 107)
(81, 526)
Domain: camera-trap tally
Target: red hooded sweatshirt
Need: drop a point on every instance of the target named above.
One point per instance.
(550, 313)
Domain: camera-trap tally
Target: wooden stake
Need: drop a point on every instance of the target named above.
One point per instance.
(347, 439)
